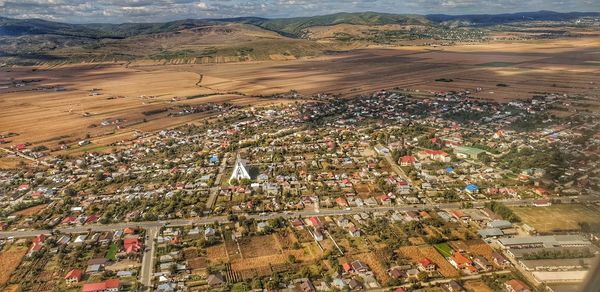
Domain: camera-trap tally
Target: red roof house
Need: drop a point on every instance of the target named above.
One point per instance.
(131, 245)
(106, 286)
(407, 160)
(314, 221)
(73, 276)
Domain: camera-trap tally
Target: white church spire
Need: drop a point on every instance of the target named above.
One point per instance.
(240, 170)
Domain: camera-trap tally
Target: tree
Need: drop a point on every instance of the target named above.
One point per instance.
(291, 259)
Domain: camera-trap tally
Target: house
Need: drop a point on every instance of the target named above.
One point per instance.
(354, 232)
(131, 245)
(342, 202)
(482, 263)
(426, 265)
(460, 262)
(471, 188)
(73, 276)
(297, 224)
(396, 273)
(515, 285)
(453, 286)
(110, 285)
(460, 215)
(359, 266)
(347, 268)
(407, 160)
(314, 221)
(306, 285)
(355, 285)
(209, 232)
(93, 269)
(215, 280)
(37, 243)
(318, 235)
(500, 260)
(129, 230)
(436, 155)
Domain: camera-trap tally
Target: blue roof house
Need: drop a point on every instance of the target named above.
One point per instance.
(472, 188)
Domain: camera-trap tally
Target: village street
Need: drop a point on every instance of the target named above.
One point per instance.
(288, 214)
(148, 259)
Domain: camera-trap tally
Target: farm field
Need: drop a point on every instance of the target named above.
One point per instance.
(444, 249)
(31, 210)
(477, 286)
(10, 258)
(51, 107)
(416, 253)
(557, 217)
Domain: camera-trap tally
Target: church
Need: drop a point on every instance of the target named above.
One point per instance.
(240, 170)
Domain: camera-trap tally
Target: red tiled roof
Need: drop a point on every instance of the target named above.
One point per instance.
(100, 286)
(425, 262)
(74, 273)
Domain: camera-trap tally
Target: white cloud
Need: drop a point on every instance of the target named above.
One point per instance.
(165, 10)
(202, 5)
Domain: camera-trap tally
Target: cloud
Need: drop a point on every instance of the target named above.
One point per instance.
(82, 11)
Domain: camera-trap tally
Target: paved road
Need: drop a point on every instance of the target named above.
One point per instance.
(289, 214)
(390, 160)
(148, 259)
(214, 191)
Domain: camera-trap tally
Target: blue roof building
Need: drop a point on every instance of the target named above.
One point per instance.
(471, 188)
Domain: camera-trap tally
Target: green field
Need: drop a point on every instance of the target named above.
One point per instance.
(112, 252)
(444, 249)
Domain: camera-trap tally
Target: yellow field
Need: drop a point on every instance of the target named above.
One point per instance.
(557, 217)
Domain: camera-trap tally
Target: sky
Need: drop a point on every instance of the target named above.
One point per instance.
(119, 11)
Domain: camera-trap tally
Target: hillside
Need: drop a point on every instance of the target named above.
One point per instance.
(30, 41)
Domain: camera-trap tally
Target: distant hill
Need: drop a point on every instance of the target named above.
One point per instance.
(243, 38)
(494, 19)
(295, 26)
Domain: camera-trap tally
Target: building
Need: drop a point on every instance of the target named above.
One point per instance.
(131, 245)
(215, 280)
(73, 277)
(240, 170)
(436, 155)
(407, 160)
(545, 241)
(110, 285)
(426, 265)
(515, 285)
(468, 152)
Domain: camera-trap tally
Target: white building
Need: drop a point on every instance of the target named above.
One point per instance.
(240, 170)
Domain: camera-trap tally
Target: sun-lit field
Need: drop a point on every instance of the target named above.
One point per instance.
(557, 217)
(64, 104)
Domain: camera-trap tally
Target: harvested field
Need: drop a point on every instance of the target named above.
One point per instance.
(31, 210)
(197, 263)
(479, 247)
(376, 265)
(63, 105)
(557, 217)
(416, 253)
(10, 259)
(217, 253)
(264, 261)
(259, 246)
(54, 108)
(477, 286)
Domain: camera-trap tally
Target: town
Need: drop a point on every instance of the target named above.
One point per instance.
(390, 191)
